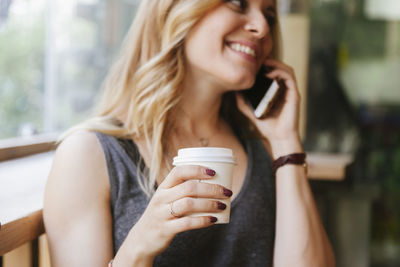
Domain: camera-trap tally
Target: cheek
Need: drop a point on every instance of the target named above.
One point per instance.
(268, 48)
(199, 54)
(203, 51)
(206, 40)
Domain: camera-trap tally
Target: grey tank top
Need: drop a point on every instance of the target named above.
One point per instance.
(248, 240)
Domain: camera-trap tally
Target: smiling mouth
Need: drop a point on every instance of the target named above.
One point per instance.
(243, 49)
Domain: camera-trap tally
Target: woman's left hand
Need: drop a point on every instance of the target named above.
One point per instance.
(281, 125)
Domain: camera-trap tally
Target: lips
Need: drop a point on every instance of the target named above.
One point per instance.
(243, 49)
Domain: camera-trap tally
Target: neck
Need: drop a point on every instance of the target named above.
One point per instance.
(200, 106)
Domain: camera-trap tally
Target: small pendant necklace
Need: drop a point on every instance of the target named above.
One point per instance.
(204, 142)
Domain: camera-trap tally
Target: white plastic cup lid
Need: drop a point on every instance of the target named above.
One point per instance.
(204, 154)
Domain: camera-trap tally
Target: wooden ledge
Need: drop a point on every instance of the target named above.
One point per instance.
(328, 167)
(24, 146)
(20, 231)
(22, 184)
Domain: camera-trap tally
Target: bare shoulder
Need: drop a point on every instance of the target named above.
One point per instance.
(79, 159)
(82, 144)
(80, 150)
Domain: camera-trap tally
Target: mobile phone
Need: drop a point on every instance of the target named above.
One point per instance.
(264, 94)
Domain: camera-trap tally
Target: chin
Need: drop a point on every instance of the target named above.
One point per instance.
(242, 83)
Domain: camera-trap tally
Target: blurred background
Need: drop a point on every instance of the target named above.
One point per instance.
(54, 55)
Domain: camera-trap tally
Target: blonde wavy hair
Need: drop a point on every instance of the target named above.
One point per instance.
(144, 85)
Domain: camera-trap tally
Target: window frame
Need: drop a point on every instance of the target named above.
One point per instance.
(18, 147)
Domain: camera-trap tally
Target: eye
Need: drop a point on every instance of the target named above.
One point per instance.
(241, 4)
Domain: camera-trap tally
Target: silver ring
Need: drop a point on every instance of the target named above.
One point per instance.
(171, 210)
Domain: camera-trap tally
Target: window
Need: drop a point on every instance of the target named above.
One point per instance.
(54, 56)
(354, 107)
(354, 66)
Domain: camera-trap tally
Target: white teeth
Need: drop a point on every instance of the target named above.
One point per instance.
(243, 49)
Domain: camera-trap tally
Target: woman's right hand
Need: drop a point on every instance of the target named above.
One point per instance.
(183, 192)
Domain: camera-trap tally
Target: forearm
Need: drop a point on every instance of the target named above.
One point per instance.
(300, 237)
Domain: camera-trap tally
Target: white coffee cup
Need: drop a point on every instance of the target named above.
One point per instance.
(219, 159)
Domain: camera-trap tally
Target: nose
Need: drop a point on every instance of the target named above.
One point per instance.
(257, 24)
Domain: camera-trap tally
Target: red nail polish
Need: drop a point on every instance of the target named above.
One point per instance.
(213, 219)
(221, 206)
(227, 192)
(210, 172)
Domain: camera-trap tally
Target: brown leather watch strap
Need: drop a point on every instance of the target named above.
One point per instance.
(295, 158)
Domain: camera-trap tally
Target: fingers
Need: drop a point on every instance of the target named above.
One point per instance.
(276, 64)
(281, 71)
(190, 223)
(287, 77)
(182, 193)
(181, 174)
(187, 206)
(196, 189)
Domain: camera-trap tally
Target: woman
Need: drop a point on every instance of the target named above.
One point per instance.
(112, 192)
